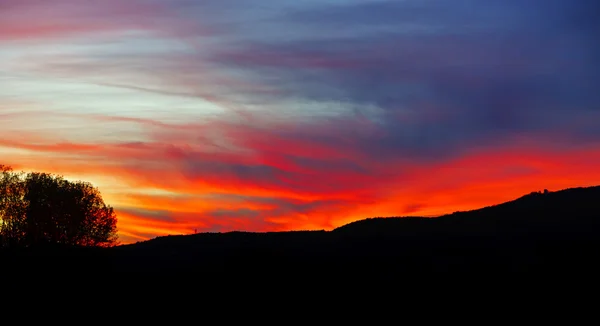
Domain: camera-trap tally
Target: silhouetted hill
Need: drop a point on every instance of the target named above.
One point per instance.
(569, 209)
(537, 233)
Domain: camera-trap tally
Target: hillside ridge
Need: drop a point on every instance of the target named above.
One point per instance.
(391, 223)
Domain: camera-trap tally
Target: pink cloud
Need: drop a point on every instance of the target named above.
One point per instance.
(277, 183)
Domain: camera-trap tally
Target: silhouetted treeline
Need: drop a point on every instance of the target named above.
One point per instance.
(44, 209)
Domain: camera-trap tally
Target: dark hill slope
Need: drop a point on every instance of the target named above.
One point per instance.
(539, 233)
(573, 210)
(535, 232)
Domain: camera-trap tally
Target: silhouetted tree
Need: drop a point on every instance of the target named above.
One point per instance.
(12, 207)
(40, 208)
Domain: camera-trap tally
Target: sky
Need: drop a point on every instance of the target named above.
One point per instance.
(273, 115)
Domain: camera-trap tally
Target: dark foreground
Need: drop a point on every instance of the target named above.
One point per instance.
(554, 234)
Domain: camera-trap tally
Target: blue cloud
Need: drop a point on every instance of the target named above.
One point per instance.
(444, 75)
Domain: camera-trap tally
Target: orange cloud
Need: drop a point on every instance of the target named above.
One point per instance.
(268, 182)
(448, 125)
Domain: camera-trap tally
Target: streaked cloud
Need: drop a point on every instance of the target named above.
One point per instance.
(278, 115)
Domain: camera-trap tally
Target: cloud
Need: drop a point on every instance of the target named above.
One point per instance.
(34, 19)
(469, 76)
(235, 115)
(273, 188)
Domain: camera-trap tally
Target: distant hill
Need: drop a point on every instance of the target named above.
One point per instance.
(569, 209)
(537, 233)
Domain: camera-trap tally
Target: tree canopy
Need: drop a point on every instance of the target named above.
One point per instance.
(41, 208)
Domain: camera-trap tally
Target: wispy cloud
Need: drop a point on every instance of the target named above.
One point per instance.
(275, 115)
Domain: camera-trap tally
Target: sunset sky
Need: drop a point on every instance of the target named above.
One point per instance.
(269, 115)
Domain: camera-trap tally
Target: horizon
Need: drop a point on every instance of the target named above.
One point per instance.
(540, 192)
(264, 116)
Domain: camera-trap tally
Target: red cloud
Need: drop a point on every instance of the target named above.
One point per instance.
(34, 19)
(275, 178)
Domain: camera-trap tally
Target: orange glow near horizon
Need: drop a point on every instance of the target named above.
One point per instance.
(170, 203)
